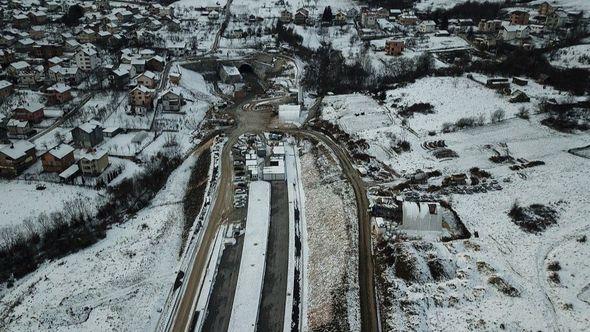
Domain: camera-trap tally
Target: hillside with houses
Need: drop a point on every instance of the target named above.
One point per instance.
(318, 165)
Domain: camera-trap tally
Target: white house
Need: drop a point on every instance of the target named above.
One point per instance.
(87, 58)
(515, 32)
(230, 74)
(427, 26)
(422, 216)
(289, 113)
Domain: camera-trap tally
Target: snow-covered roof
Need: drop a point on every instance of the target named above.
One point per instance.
(17, 123)
(61, 151)
(231, 70)
(143, 89)
(4, 84)
(17, 149)
(59, 88)
(19, 65)
(149, 74)
(69, 171)
(30, 107)
(93, 155)
(89, 127)
(251, 275)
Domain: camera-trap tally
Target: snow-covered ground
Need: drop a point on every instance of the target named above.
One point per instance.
(120, 283)
(577, 56)
(332, 260)
(575, 5)
(20, 200)
(444, 4)
(465, 298)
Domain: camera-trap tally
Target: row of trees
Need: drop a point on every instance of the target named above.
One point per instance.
(78, 226)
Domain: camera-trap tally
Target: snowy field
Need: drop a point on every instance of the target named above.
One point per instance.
(20, 200)
(454, 98)
(118, 284)
(577, 56)
(466, 299)
(445, 4)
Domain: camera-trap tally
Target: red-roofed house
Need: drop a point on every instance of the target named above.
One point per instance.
(58, 159)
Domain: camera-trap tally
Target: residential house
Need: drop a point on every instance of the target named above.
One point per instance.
(6, 57)
(120, 78)
(352, 13)
(70, 75)
(301, 16)
(58, 159)
(21, 21)
(86, 36)
(87, 135)
(141, 96)
(407, 19)
(6, 89)
(368, 19)
(93, 163)
(17, 157)
(148, 79)
(556, 19)
(340, 18)
(490, 26)
(155, 63)
(286, 16)
(37, 32)
(30, 112)
(175, 77)
(38, 17)
(394, 47)
(427, 26)
(172, 100)
(519, 17)
(514, 32)
(24, 45)
(87, 58)
(545, 9)
(230, 74)
(19, 129)
(59, 93)
(17, 68)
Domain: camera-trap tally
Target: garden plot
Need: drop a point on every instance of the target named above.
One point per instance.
(120, 283)
(129, 144)
(122, 119)
(577, 56)
(432, 43)
(99, 107)
(453, 98)
(20, 200)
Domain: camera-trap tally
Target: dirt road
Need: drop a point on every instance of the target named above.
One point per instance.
(368, 301)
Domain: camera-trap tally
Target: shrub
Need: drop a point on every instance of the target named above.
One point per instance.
(554, 266)
(497, 116)
(523, 113)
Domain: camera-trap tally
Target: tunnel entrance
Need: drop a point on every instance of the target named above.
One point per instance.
(246, 69)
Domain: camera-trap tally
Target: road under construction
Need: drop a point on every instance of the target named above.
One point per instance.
(251, 119)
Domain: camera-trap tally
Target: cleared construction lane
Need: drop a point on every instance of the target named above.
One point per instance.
(272, 307)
